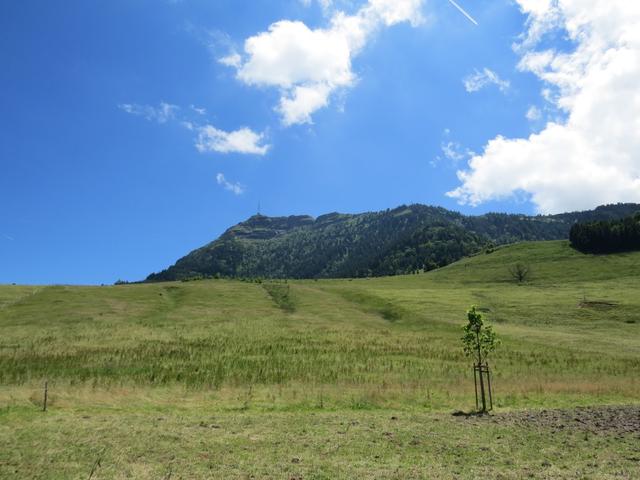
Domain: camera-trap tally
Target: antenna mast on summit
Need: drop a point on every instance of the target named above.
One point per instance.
(258, 208)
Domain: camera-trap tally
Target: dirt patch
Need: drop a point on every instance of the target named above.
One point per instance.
(615, 420)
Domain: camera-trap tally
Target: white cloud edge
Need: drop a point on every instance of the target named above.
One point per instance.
(324, 4)
(209, 138)
(533, 114)
(481, 79)
(243, 140)
(233, 187)
(161, 114)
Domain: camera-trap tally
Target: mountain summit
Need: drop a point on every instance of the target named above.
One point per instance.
(399, 241)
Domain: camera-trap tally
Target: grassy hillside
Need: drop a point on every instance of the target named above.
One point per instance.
(247, 362)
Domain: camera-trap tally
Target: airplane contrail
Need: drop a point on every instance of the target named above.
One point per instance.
(463, 11)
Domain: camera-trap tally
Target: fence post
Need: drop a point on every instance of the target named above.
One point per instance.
(46, 394)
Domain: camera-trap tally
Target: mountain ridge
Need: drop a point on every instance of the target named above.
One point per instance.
(406, 239)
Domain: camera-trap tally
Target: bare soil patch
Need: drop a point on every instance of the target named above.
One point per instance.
(612, 420)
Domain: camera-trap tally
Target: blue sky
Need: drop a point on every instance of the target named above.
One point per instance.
(135, 131)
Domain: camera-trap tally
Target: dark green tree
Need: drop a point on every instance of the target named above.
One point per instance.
(609, 236)
(520, 272)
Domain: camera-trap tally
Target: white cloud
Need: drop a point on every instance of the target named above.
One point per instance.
(481, 79)
(298, 105)
(231, 60)
(199, 110)
(534, 113)
(234, 187)
(161, 114)
(325, 4)
(245, 140)
(291, 54)
(309, 65)
(453, 151)
(543, 16)
(209, 138)
(592, 157)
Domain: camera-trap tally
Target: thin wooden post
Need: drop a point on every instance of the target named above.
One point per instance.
(169, 473)
(95, 467)
(482, 376)
(490, 392)
(482, 392)
(46, 394)
(475, 384)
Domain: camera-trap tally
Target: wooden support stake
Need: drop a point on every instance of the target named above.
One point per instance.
(46, 394)
(482, 391)
(95, 467)
(482, 383)
(169, 473)
(490, 392)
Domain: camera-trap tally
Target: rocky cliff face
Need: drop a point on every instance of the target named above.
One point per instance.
(261, 227)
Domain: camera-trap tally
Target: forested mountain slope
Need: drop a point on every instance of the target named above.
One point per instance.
(402, 240)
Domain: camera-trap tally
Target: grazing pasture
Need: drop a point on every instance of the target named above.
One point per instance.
(328, 378)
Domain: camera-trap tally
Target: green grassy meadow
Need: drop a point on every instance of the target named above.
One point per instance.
(321, 379)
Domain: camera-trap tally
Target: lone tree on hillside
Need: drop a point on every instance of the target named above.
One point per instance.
(520, 272)
(478, 341)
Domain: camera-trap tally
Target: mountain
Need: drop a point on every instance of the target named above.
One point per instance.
(403, 240)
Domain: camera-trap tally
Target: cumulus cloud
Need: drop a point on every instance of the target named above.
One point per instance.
(245, 140)
(481, 79)
(593, 156)
(309, 65)
(161, 114)
(234, 187)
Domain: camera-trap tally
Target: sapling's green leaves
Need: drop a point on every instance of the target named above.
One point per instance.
(478, 339)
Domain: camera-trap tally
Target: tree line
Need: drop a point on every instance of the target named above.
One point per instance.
(607, 236)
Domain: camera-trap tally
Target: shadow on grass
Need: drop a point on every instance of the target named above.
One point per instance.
(460, 413)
